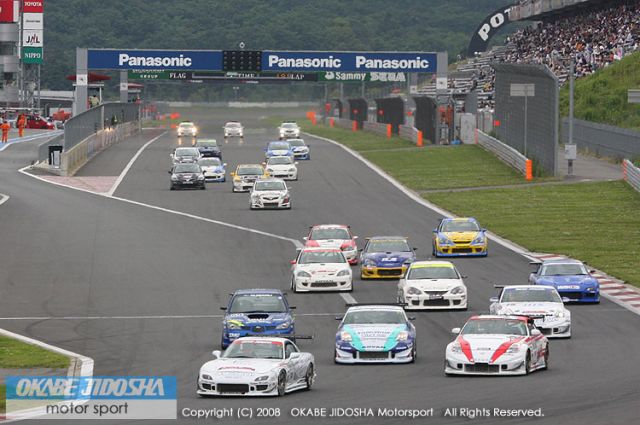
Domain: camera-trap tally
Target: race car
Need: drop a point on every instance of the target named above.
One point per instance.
(459, 237)
(386, 257)
(208, 148)
(187, 128)
(185, 155)
(497, 345)
(213, 169)
(269, 192)
(321, 269)
(433, 285)
(300, 149)
(233, 129)
(278, 148)
(254, 366)
(256, 312)
(334, 236)
(375, 334)
(187, 176)
(245, 176)
(571, 278)
(283, 167)
(542, 303)
(289, 130)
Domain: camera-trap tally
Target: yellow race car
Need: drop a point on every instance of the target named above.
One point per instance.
(246, 175)
(459, 237)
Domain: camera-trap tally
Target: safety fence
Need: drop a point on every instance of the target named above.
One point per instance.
(409, 132)
(104, 116)
(506, 154)
(602, 139)
(631, 174)
(377, 127)
(73, 159)
(406, 132)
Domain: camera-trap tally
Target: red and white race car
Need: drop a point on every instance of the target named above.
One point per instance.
(337, 236)
(497, 345)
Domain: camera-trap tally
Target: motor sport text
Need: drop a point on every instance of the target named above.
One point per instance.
(98, 410)
(167, 62)
(361, 62)
(94, 388)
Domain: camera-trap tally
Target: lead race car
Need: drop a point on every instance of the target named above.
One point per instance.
(459, 237)
(254, 366)
(542, 303)
(497, 345)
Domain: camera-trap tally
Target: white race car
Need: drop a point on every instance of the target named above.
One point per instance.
(282, 167)
(432, 285)
(253, 366)
(321, 269)
(233, 129)
(542, 303)
(187, 128)
(497, 345)
(375, 334)
(270, 193)
(289, 130)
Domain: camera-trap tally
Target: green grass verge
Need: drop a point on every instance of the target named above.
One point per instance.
(594, 222)
(15, 354)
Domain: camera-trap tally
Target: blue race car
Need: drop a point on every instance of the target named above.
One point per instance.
(208, 148)
(375, 334)
(570, 277)
(278, 148)
(213, 169)
(386, 257)
(300, 149)
(459, 237)
(257, 312)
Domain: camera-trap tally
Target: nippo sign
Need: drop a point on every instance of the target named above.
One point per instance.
(32, 6)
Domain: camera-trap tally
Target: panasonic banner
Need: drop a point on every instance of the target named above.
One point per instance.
(197, 60)
(349, 61)
(97, 397)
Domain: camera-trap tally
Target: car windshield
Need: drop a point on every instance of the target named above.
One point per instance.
(254, 350)
(289, 125)
(257, 303)
(250, 171)
(515, 295)
(432, 273)
(187, 124)
(187, 168)
(335, 233)
(206, 144)
(296, 142)
(563, 270)
(374, 316)
(495, 327)
(388, 245)
(187, 152)
(210, 162)
(318, 257)
(232, 124)
(279, 146)
(280, 160)
(269, 185)
(459, 226)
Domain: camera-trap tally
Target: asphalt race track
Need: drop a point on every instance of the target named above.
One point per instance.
(104, 264)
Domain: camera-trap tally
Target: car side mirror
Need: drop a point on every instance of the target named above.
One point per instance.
(292, 307)
(295, 163)
(464, 276)
(170, 172)
(435, 230)
(293, 262)
(355, 237)
(224, 164)
(493, 300)
(339, 317)
(412, 318)
(306, 238)
(232, 174)
(535, 332)
(264, 163)
(592, 271)
(223, 308)
(455, 331)
(294, 356)
(216, 354)
(414, 248)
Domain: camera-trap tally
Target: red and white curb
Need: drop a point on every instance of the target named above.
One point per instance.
(613, 289)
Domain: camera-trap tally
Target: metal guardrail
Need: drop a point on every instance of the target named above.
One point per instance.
(409, 132)
(631, 174)
(88, 123)
(506, 154)
(602, 139)
(375, 127)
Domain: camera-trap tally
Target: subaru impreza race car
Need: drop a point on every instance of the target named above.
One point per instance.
(459, 237)
(213, 169)
(208, 148)
(278, 148)
(433, 285)
(571, 278)
(300, 148)
(386, 257)
(497, 345)
(542, 303)
(321, 269)
(334, 236)
(256, 312)
(375, 334)
(254, 366)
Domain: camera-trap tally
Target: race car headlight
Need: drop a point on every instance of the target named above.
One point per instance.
(561, 314)
(457, 290)
(233, 325)
(443, 240)
(262, 378)
(291, 170)
(369, 263)
(591, 289)
(343, 273)
(413, 291)
(206, 377)
(515, 348)
(479, 240)
(269, 170)
(402, 336)
(456, 348)
(174, 177)
(303, 274)
(345, 336)
(201, 177)
(285, 325)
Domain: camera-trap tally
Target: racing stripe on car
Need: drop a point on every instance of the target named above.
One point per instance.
(503, 348)
(466, 348)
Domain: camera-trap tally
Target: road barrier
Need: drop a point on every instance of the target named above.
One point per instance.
(376, 127)
(104, 116)
(631, 174)
(602, 139)
(409, 132)
(506, 154)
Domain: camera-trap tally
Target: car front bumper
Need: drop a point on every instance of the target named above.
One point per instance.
(183, 184)
(580, 296)
(215, 177)
(354, 356)
(555, 329)
(265, 204)
(302, 155)
(242, 185)
(461, 250)
(284, 175)
(440, 302)
(320, 284)
(375, 272)
(233, 388)
(460, 365)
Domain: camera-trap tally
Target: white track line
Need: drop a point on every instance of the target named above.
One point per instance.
(3, 198)
(130, 164)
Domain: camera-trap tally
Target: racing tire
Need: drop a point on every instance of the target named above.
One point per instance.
(233, 189)
(308, 377)
(527, 363)
(172, 187)
(546, 358)
(414, 354)
(203, 187)
(335, 356)
(293, 286)
(282, 383)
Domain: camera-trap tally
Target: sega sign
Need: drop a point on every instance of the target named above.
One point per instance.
(196, 60)
(349, 61)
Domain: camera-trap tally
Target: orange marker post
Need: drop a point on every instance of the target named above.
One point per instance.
(332, 122)
(420, 142)
(529, 170)
(354, 125)
(388, 131)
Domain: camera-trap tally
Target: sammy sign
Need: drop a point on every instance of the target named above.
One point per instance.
(349, 61)
(97, 397)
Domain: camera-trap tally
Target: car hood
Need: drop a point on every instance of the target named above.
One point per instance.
(212, 168)
(239, 368)
(434, 284)
(258, 318)
(187, 176)
(389, 258)
(483, 348)
(460, 236)
(280, 167)
(374, 337)
(330, 243)
(530, 308)
(566, 280)
(278, 152)
(300, 148)
(322, 267)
